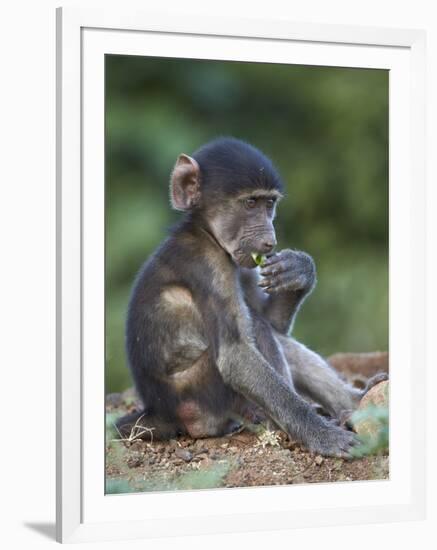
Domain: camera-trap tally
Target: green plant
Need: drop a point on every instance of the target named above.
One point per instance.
(375, 440)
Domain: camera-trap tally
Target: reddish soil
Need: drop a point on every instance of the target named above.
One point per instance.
(252, 457)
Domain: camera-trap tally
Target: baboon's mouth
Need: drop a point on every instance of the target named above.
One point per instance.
(259, 259)
(243, 259)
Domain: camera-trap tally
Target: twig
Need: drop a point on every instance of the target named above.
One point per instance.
(137, 431)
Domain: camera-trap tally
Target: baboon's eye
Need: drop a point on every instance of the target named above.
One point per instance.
(250, 203)
(270, 203)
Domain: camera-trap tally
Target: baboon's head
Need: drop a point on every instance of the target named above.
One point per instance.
(233, 188)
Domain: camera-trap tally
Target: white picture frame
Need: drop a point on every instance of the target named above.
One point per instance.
(84, 513)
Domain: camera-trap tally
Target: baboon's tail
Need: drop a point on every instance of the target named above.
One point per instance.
(142, 425)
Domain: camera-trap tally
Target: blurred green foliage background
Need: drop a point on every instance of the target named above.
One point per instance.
(325, 128)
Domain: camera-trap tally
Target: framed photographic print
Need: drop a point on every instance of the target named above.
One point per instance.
(240, 217)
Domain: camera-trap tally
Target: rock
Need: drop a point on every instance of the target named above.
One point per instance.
(378, 396)
(135, 459)
(201, 456)
(199, 450)
(183, 454)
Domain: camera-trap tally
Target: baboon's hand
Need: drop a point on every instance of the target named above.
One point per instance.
(288, 270)
(332, 440)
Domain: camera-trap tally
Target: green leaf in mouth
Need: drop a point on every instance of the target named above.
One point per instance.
(259, 259)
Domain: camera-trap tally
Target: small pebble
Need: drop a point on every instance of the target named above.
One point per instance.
(183, 454)
(135, 460)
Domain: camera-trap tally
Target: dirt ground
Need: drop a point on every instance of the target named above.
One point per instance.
(252, 457)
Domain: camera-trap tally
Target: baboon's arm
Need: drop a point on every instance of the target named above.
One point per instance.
(279, 289)
(244, 368)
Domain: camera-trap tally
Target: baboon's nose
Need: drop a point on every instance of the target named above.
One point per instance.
(268, 244)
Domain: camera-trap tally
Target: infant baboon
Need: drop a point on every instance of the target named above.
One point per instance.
(208, 331)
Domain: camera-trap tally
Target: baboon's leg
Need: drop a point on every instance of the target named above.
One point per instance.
(205, 402)
(313, 377)
(200, 422)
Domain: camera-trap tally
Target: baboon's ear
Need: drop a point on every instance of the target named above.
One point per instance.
(185, 184)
